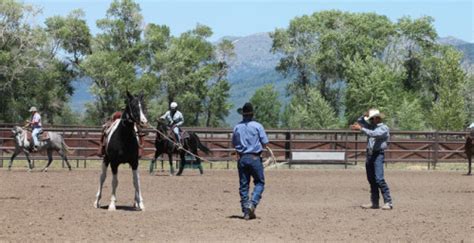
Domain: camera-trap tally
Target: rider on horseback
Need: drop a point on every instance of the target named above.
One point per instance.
(175, 120)
(35, 124)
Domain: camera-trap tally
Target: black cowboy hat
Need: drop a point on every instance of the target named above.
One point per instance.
(247, 109)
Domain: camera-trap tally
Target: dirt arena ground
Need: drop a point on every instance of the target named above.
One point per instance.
(297, 205)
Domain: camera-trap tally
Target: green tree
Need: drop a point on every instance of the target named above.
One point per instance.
(70, 33)
(30, 71)
(313, 112)
(111, 78)
(115, 59)
(469, 97)
(267, 106)
(122, 29)
(410, 115)
(217, 106)
(187, 67)
(371, 84)
(449, 110)
(317, 47)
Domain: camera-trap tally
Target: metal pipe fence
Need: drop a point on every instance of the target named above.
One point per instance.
(430, 147)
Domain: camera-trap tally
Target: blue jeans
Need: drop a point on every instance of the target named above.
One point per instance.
(374, 169)
(34, 134)
(250, 166)
(176, 134)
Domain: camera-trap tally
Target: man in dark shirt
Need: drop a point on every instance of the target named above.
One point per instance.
(378, 135)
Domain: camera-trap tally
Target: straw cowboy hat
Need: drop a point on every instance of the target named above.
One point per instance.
(33, 108)
(374, 113)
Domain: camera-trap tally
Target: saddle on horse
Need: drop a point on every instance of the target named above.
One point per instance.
(109, 126)
(42, 136)
(182, 134)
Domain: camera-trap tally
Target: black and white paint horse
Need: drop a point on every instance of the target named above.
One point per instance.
(163, 145)
(54, 143)
(122, 147)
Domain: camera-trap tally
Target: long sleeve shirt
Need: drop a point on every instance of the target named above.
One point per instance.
(249, 137)
(36, 120)
(377, 135)
(177, 119)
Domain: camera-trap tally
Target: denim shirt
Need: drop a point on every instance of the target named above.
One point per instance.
(249, 137)
(377, 135)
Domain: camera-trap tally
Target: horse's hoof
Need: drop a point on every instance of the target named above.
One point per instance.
(96, 204)
(111, 208)
(139, 206)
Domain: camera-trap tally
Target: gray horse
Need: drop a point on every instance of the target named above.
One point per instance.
(22, 144)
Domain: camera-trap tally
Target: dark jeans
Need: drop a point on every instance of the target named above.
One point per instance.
(374, 169)
(250, 166)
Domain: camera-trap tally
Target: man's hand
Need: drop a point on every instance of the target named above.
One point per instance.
(355, 127)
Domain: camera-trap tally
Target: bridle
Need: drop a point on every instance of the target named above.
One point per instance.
(129, 117)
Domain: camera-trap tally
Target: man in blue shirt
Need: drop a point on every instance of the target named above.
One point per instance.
(378, 135)
(249, 139)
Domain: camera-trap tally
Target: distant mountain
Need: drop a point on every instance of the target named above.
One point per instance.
(465, 47)
(253, 67)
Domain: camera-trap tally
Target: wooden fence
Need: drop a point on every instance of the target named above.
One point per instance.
(428, 147)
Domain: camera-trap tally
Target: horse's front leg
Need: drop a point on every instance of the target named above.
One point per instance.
(138, 194)
(469, 159)
(153, 162)
(170, 158)
(15, 153)
(182, 163)
(27, 155)
(103, 175)
(50, 159)
(113, 198)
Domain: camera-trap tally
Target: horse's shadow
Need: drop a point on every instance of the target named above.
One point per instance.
(123, 208)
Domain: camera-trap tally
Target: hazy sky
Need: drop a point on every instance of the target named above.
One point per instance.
(240, 18)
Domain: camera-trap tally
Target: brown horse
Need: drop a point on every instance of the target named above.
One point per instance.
(469, 149)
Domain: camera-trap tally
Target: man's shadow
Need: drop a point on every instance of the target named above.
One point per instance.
(235, 217)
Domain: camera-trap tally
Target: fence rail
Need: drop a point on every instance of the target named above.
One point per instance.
(405, 146)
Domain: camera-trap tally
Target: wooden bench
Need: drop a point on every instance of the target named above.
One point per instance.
(319, 157)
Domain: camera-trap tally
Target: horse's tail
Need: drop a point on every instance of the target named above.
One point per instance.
(66, 149)
(201, 146)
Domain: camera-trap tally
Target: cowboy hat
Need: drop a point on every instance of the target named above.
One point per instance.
(374, 113)
(33, 108)
(247, 109)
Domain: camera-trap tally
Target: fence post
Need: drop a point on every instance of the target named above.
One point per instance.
(345, 150)
(1, 154)
(287, 145)
(356, 147)
(436, 149)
